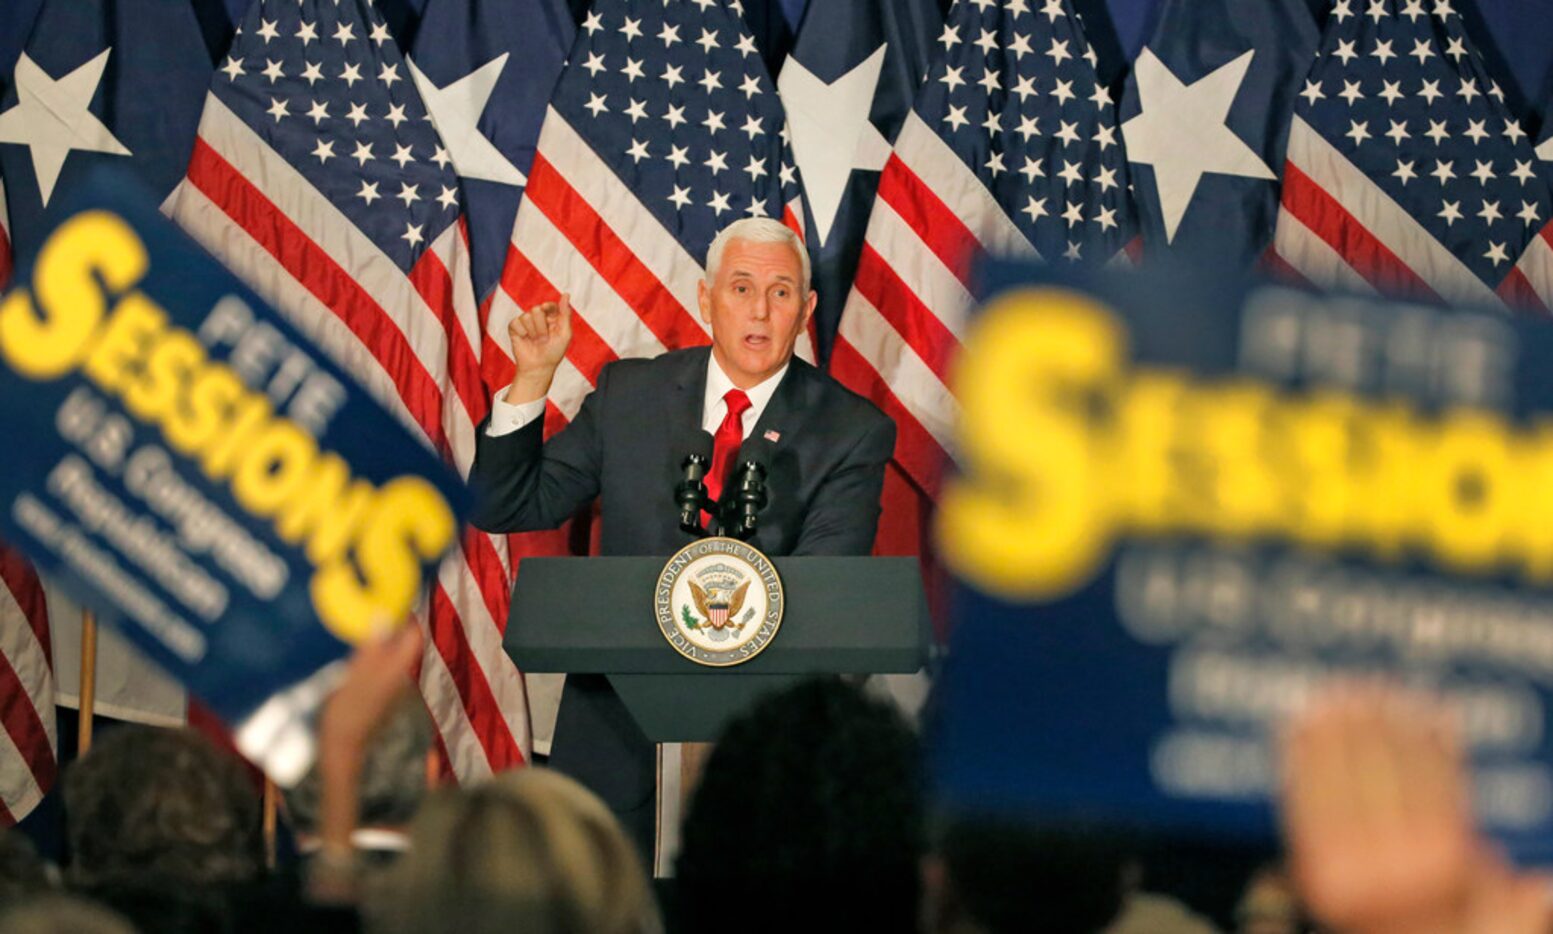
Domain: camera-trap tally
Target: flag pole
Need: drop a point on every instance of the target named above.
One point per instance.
(271, 794)
(88, 692)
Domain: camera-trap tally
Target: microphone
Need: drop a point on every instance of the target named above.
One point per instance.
(746, 495)
(690, 493)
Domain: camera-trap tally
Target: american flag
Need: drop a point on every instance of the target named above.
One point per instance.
(1406, 174)
(1529, 286)
(663, 129)
(1012, 149)
(27, 741)
(485, 69)
(27, 744)
(318, 175)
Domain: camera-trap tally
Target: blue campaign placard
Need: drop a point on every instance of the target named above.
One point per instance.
(1185, 505)
(188, 465)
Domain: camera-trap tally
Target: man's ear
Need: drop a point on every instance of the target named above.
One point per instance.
(704, 300)
(808, 306)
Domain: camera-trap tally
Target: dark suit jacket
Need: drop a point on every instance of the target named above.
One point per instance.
(626, 445)
(632, 433)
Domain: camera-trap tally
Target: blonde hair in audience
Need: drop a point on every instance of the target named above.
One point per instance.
(58, 913)
(529, 851)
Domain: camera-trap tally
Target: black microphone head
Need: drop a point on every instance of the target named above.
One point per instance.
(690, 493)
(758, 451)
(747, 495)
(698, 458)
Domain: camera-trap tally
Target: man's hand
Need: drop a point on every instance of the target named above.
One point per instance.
(539, 339)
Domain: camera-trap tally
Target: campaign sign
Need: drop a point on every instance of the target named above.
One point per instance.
(1184, 506)
(184, 462)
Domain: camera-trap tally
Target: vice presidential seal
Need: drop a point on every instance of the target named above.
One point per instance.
(719, 602)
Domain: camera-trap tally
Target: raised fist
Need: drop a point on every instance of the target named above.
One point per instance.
(539, 339)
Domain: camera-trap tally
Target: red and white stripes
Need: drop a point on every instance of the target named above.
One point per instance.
(1529, 286)
(28, 744)
(582, 231)
(414, 342)
(903, 320)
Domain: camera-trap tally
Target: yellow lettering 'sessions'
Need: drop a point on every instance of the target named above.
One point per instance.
(83, 312)
(1066, 447)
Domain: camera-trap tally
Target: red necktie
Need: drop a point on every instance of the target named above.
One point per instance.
(725, 444)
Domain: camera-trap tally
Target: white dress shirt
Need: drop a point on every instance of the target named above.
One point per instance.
(507, 418)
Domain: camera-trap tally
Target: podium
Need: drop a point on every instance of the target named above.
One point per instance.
(844, 615)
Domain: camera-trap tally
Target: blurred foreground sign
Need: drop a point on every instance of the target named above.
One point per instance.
(1185, 506)
(195, 470)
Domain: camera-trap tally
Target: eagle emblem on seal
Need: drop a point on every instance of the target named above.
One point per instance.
(719, 607)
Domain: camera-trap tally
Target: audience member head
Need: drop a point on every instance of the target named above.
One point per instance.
(1152, 913)
(530, 851)
(61, 914)
(994, 876)
(148, 803)
(809, 815)
(393, 774)
(1269, 905)
(23, 873)
(159, 904)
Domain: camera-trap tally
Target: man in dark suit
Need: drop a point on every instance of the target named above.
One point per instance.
(627, 443)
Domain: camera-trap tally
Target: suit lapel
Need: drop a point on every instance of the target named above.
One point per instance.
(788, 408)
(782, 425)
(682, 414)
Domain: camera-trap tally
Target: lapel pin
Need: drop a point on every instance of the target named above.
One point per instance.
(773, 435)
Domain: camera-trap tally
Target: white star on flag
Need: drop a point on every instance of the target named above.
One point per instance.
(1182, 133)
(455, 111)
(832, 134)
(52, 117)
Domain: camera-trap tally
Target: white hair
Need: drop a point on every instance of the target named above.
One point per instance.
(757, 230)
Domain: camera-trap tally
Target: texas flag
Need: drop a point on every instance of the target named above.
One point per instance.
(100, 82)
